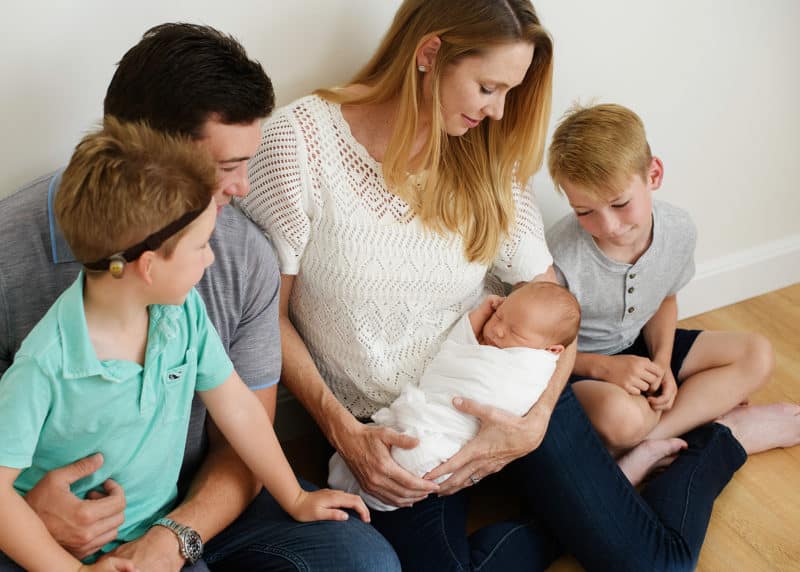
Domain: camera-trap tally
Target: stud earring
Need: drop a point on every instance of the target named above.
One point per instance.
(423, 69)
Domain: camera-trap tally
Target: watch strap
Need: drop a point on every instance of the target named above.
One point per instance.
(182, 532)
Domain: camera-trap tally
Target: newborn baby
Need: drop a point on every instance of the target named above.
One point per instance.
(502, 353)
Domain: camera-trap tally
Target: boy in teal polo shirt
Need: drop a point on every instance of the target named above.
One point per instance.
(113, 365)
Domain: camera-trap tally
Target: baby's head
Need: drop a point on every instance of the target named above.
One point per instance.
(129, 189)
(538, 315)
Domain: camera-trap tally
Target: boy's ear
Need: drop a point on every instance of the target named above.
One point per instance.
(555, 349)
(426, 52)
(655, 173)
(144, 266)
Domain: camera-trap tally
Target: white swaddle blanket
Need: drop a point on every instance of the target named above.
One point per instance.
(510, 379)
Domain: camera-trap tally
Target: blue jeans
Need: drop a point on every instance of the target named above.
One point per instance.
(582, 503)
(264, 537)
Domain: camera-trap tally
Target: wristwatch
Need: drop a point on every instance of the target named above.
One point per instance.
(190, 543)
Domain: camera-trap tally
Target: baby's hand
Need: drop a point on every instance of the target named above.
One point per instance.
(324, 504)
(480, 315)
(110, 564)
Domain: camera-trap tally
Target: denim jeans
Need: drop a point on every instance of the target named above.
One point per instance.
(576, 499)
(264, 537)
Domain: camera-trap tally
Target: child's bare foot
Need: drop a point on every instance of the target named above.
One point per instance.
(648, 455)
(763, 427)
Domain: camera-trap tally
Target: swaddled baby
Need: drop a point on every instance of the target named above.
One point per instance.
(502, 354)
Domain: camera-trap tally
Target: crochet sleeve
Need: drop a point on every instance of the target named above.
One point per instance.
(280, 194)
(524, 253)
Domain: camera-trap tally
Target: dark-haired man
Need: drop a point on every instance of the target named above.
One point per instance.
(191, 80)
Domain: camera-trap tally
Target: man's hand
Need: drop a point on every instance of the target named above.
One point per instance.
(502, 438)
(367, 451)
(81, 526)
(634, 374)
(157, 550)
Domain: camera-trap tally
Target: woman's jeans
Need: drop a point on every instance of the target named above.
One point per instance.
(576, 500)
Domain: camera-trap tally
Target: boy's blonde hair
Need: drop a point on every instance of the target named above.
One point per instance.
(599, 148)
(127, 181)
(468, 184)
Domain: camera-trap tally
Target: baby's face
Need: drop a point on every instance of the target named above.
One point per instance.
(513, 325)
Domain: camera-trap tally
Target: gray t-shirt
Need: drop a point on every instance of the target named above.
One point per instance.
(618, 299)
(240, 290)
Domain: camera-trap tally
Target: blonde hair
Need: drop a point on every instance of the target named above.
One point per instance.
(127, 181)
(468, 187)
(599, 148)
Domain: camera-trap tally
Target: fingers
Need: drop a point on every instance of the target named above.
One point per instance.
(473, 408)
(353, 502)
(109, 505)
(79, 469)
(97, 542)
(395, 439)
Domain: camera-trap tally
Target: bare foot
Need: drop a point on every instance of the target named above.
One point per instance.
(763, 427)
(648, 455)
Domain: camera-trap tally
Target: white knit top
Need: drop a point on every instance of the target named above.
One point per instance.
(375, 293)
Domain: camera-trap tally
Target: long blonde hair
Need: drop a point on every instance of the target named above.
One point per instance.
(468, 187)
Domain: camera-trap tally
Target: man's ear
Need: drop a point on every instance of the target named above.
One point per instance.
(143, 266)
(427, 50)
(555, 349)
(655, 173)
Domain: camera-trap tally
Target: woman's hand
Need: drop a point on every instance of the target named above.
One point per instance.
(502, 438)
(367, 451)
(325, 504)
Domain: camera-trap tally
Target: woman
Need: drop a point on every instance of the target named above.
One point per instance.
(394, 204)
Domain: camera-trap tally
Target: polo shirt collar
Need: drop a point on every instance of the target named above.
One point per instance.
(59, 249)
(78, 357)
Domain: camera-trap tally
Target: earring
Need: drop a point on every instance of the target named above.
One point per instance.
(423, 69)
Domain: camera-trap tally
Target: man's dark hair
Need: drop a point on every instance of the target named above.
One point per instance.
(179, 75)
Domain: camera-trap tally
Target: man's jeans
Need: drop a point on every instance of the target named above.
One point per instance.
(264, 537)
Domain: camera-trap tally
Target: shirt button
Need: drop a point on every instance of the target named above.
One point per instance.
(632, 275)
(630, 290)
(631, 310)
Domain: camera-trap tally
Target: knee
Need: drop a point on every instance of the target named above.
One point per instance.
(365, 551)
(758, 358)
(623, 422)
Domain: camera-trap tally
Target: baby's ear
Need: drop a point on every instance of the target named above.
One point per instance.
(555, 349)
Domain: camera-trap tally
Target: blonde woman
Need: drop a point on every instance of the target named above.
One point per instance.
(394, 204)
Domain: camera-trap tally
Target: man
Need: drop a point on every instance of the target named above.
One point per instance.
(191, 80)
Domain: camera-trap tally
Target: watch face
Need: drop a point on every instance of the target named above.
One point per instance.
(192, 545)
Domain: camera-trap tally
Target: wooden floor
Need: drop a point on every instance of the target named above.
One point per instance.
(756, 522)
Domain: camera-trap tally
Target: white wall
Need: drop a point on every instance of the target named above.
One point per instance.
(716, 82)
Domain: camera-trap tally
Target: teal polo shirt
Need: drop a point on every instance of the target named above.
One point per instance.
(59, 403)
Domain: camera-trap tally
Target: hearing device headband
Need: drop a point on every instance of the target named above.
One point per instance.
(116, 262)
